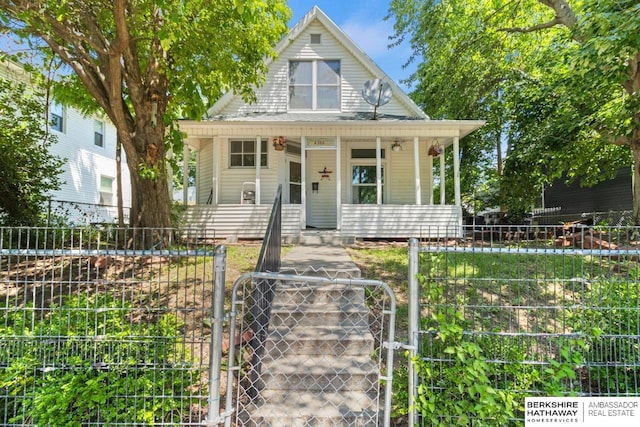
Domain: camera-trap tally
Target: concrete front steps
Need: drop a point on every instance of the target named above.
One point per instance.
(318, 368)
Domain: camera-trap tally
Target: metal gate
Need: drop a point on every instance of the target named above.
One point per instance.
(310, 350)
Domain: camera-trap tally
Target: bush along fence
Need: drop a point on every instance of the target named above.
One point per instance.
(94, 332)
(512, 313)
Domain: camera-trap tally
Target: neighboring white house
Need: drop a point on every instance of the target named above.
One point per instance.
(344, 163)
(89, 189)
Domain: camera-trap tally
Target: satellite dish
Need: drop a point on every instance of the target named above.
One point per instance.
(376, 92)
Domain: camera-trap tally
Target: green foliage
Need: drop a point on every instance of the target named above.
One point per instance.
(612, 321)
(85, 361)
(147, 64)
(555, 97)
(27, 170)
(470, 377)
(461, 389)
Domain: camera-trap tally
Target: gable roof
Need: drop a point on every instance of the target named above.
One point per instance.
(316, 14)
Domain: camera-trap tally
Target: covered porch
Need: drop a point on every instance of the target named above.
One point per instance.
(363, 178)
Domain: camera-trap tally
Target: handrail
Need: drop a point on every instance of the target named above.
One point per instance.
(263, 291)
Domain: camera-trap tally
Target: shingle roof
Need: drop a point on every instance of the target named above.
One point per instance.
(309, 117)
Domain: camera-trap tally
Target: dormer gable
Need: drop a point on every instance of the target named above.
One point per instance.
(318, 69)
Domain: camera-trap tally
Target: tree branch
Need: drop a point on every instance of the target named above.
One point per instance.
(553, 23)
(564, 17)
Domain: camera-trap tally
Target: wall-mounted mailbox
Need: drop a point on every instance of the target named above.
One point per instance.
(315, 186)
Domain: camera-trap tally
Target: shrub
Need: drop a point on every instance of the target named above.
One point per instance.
(86, 361)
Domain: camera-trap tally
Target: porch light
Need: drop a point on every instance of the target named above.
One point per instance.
(396, 146)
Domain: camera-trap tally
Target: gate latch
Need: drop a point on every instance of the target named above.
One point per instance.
(395, 345)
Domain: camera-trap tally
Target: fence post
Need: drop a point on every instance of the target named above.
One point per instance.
(414, 324)
(215, 353)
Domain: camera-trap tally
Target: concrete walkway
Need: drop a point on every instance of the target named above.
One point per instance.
(319, 258)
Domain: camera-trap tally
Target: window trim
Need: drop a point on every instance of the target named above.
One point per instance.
(264, 153)
(314, 85)
(57, 111)
(102, 190)
(96, 133)
(367, 162)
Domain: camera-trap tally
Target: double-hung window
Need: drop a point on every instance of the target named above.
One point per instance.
(364, 176)
(243, 153)
(314, 85)
(106, 190)
(98, 133)
(56, 117)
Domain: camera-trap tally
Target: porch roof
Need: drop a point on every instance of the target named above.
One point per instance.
(310, 117)
(357, 124)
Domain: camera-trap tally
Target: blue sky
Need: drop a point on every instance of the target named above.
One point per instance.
(363, 21)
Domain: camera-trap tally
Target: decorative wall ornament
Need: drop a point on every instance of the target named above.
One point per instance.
(325, 174)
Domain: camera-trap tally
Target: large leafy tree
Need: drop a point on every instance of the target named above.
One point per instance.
(27, 170)
(559, 81)
(147, 63)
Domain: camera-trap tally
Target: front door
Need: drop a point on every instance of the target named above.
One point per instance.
(321, 189)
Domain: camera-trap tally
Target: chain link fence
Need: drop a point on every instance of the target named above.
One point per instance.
(99, 331)
(522, 311)
(325, 358)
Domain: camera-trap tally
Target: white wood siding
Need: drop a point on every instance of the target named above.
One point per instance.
(241, 221)
(400, 176)
(273, 97)
(86, 162)
(231, 179)
(401, 221)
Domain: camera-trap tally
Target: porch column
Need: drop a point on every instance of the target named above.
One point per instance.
(456, 170)
(258, 167)
(338, 184)
(416, 167)
(378, 171)
(442, 179)
(303, 183)
(217, 158)
(186, 154)
(432, 181)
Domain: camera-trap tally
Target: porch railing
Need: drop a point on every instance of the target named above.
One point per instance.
(268, 261)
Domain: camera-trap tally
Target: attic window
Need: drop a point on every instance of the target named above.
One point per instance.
(314, 85)
(316, 38)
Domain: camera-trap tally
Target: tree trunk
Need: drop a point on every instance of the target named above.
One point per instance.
(119, 183)
(635, 150)
(150, 215)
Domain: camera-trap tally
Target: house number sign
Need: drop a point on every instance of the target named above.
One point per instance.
(313, 142)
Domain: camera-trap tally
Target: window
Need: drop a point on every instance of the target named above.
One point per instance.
(98, 133)
(56, 117)
(242, 153)
(316, 39)
(314, 85)
(106, 190)
(364, 184)
(366, 153)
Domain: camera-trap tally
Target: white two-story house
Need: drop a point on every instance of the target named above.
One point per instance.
(352, 152)
(88, 193)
